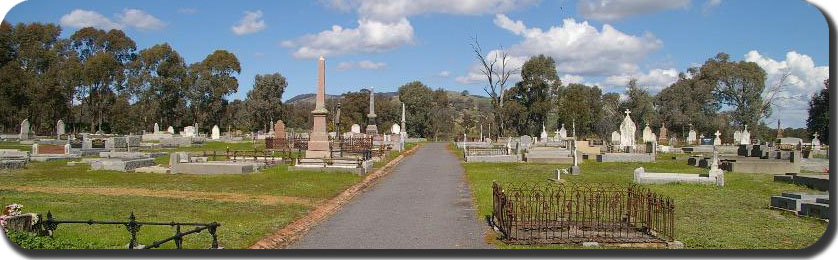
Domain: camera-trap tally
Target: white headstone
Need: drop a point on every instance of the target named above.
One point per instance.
(171, 130)
(526, 141)
(615, 138)
(562, 133)
(691, 138)
(188, 131)
(156, 128)
(745, 137)
(627, 131)
(648, 136)
(67, 148)
(216, 133)
(718, 140)
(737, 137)
(59, 128)
(24, 130)
(816, 143)
(35, 149)
(395, 129)
(673, 141)
(355, 129)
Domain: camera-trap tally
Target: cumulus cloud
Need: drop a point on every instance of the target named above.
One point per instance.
(128, 18)
(803, 80)
(370, 36)
(570, 78)
(612, 10)
(139, 19)
(364, 64)
(83, 18)
(655, 80)
(444, 73)
(709, 5)
(252, 22)
(577, 47)
(394, 10)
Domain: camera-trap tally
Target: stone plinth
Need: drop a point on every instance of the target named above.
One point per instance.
(318, 144)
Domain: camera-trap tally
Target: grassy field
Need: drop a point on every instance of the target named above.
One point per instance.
(707, 217)
(236, 201)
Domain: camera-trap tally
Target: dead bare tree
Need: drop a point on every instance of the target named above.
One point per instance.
(770, 96)
(496, 77)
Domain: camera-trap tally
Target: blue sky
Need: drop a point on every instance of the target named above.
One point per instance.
(386, 44)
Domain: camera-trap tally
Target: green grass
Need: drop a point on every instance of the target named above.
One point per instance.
(242, 223)
(14, 145)
(707, 217)
(272, 181)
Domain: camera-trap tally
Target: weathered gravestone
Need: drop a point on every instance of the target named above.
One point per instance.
(156, 128)
(648, 136)
(745, 137)
(627, 131)
(526, 141)
(718, 140)
(24, 130)
(279, 129)
(662, 134)
(188, 131)
(615, 138)
(216, 133)
(171, 130)
(396, 129)
(691, 137)
(562, 134)
(59, 128)
(355, 129)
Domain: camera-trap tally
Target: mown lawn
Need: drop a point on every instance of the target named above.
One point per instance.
(733, 216)
(243, 222)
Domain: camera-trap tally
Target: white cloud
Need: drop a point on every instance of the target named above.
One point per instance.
(709, 5)
(83, 18)
(570, 78)
(344, 65)
(364, 64)
(804, 79)
(370, 37)
(128, 18)
(444, 73)
(612, 10)
(139, 19)
(654, 81)
(394, 10)
(371, 65)
(252, 22)
(577, 47)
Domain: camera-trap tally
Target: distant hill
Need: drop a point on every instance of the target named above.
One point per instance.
(309, 98)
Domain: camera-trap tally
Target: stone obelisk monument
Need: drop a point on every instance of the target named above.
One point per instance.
(372, 129)
(318, 143)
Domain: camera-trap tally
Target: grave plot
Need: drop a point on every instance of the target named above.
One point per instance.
(558, 213)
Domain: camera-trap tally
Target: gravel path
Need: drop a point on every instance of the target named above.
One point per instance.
(424, 203)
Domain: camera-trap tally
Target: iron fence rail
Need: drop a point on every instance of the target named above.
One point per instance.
(556, 213)
(50, 224)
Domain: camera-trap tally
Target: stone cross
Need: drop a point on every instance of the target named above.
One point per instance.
(718, 140)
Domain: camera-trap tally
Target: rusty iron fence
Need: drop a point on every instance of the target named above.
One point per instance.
(49, 224)
(558, 213)
(362, 146)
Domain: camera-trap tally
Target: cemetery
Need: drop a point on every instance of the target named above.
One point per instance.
(567, 128)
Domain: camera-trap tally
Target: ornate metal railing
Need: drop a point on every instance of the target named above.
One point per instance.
(48, 225)
(486, 151)
(556, 213)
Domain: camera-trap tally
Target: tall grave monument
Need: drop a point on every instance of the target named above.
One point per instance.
(627, 132)
(372, 129)
(318, 143)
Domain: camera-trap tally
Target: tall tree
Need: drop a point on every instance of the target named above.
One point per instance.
(214, 79)
(160, 83)
(535, 92)
(818, 121)
(641, 105)
(581, 104)
(103, 56)
(739, 85)
(265, 99)
(690, 100)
